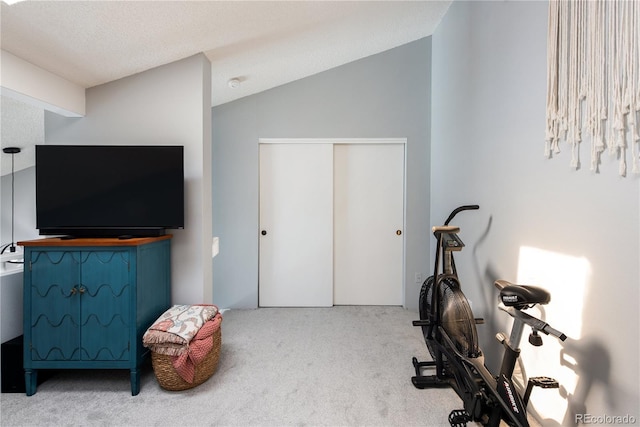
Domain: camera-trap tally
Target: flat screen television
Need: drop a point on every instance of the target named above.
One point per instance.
(109, 191)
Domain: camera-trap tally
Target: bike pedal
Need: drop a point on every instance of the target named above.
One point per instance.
(421, 323)
(428, 381)
(544, 382)
(459, 418)
(419, 382)
(419, 365)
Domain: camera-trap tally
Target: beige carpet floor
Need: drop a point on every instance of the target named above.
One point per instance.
(339, 366)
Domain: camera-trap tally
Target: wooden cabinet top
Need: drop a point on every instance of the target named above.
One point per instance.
(94, 241)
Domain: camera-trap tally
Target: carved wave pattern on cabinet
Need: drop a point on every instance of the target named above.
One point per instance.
(53, 324)
(115, 293)
(80, 340)
(105, 353)
(64, 291)
(106, 257)
(54, 353)
(56, 257)
(81, 299)
(57, 353)
(105, 324)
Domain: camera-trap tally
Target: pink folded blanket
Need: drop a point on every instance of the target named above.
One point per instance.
(198, 348)
(175, 328)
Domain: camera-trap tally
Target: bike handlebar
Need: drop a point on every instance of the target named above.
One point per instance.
(533, 322)
(456, 211)
(547, 329)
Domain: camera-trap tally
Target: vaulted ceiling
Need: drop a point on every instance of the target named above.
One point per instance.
(263, 44)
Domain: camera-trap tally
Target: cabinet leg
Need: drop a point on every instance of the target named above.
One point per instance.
(30, 381)
(135, 382)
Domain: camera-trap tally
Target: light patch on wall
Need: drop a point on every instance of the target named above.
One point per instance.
(566, 278)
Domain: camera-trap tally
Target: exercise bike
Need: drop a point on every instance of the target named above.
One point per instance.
(450, 333)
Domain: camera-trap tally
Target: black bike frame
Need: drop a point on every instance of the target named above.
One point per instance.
(486, 397)
(465, 383)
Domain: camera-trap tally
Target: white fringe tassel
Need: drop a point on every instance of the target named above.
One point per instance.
(593, 79)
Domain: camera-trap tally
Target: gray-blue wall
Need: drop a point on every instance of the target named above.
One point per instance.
(385, 95)
(489, 89)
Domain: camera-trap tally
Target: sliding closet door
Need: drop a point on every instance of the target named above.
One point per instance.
(368, 224)
(296, 225)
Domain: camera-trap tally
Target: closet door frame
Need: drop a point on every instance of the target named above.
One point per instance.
(341, 141)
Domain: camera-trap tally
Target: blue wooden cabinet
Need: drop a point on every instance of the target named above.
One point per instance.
(88, 302)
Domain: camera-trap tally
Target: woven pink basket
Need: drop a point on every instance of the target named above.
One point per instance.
(169, 379)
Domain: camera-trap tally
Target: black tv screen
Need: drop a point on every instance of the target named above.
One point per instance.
(109, 191)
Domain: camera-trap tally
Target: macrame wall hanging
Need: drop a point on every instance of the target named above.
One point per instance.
(593, 79)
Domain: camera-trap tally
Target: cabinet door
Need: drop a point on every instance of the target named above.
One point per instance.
(54, 305)
(105, 302)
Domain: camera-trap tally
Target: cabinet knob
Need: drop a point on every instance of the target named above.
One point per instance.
(82, 289)
(398, 232)
(263, 232)
(73, 291)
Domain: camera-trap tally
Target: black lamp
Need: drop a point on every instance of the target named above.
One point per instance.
(13, 151)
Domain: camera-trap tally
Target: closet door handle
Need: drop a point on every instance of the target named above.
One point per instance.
(398, 232)
(263, 232)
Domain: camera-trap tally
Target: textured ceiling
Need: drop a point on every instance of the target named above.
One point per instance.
(262, 43)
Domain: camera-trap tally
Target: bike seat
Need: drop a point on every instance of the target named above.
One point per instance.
(519, 296)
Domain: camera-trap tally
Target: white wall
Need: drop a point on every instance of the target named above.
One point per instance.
(575, 233)
(24, 206)
(24, 229)
(10, 305)
(168, 105)
(31, 84)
